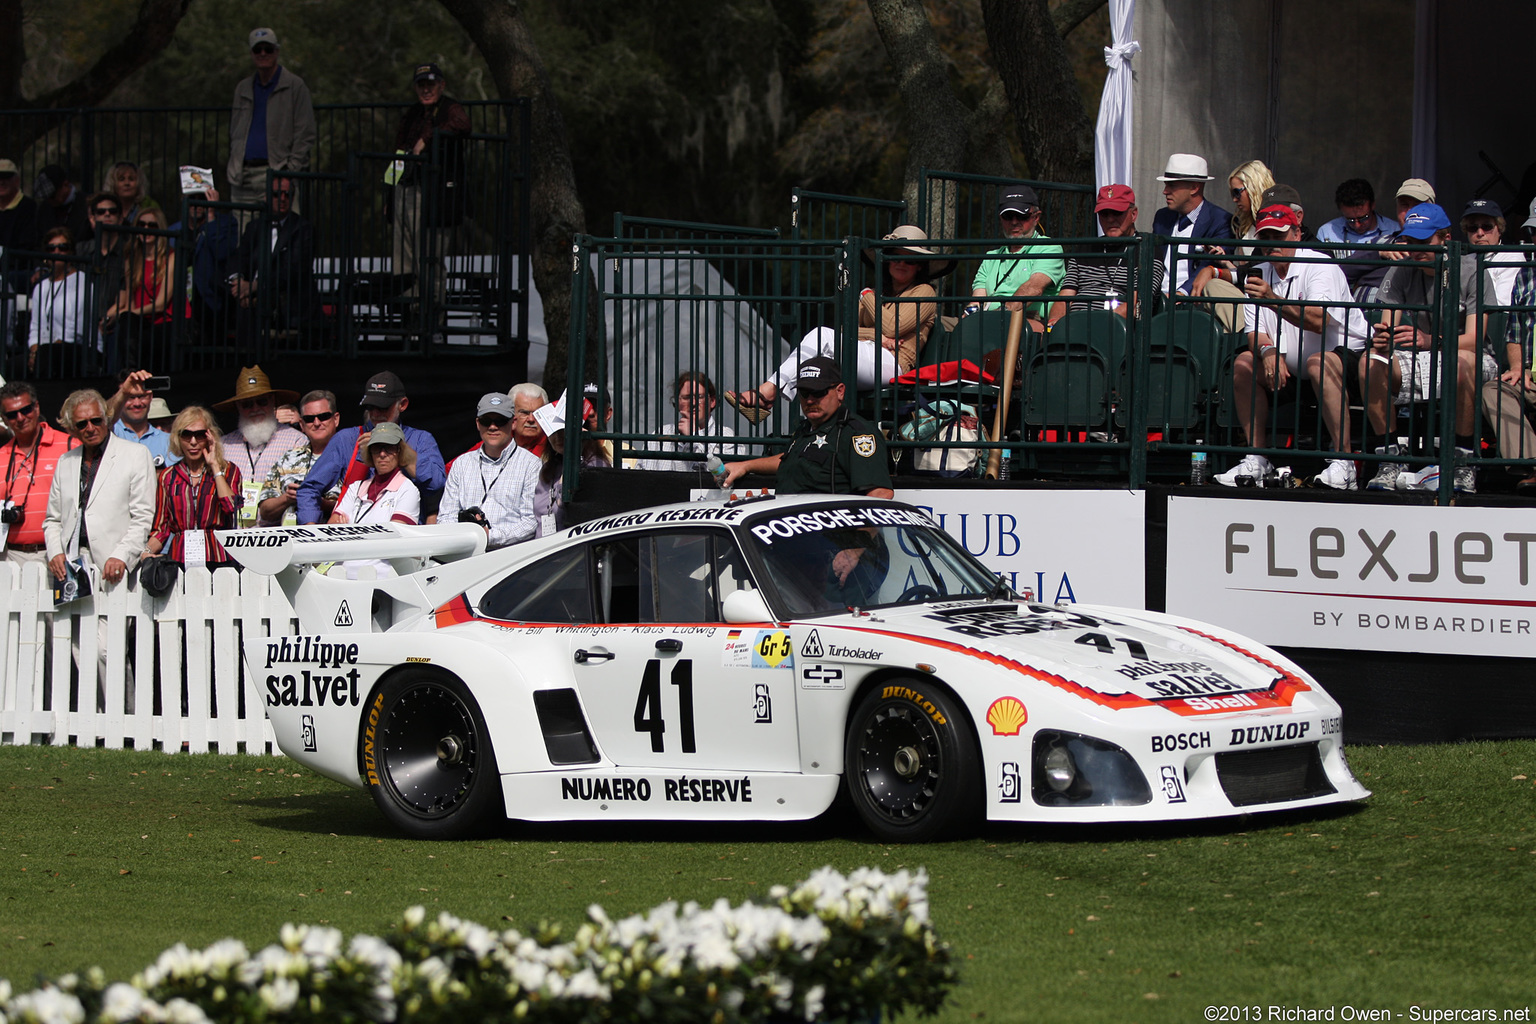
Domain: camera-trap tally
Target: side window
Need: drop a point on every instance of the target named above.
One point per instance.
(668, 576)
(553, 589)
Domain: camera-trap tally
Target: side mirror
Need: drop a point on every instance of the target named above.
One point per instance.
(746, 606)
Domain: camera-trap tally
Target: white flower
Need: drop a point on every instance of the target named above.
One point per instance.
(123, 1002)
(814, 1001)
(47, 1005)
(279, 995)
(414, 916)
(372, 951)
(179, 1011)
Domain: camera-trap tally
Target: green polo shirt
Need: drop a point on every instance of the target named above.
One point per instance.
(844, 456)
(1002, 277)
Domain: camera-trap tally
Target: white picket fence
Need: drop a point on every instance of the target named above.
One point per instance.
(173, 676)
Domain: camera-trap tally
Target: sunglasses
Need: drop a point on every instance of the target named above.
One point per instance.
(1016, 215)
(263, 48)
(317, 417)
(254, 403)
(814, 394)
(1237, 193)
(194, 435)
(106, 211)
(490, 422)
(94, 421)
(16, 414)
(56, 248)
(1474, 229)
(1357, 222)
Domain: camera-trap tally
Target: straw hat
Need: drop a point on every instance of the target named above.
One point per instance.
(936, 265)
(253, 383)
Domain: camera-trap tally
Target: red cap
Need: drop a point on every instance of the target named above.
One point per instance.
(1115, 197)
(1277, 218)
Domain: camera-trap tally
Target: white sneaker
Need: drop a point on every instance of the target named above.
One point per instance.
(1466, 473)
(1386, 472)
(1248, 473)
(1426, 479)
(1338, 474)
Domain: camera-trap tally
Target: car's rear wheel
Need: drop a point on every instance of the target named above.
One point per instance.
(911, 763)
(427, 757)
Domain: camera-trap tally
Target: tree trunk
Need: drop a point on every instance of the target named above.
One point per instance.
(498, 29)
(1031, 56)
(151, 32)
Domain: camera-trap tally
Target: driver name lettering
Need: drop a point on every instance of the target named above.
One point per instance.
(679, 790)
(313, 689)
(836, 519)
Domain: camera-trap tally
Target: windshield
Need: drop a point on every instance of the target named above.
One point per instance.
(827, 560)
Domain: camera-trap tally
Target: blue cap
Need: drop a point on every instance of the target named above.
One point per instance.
(1423, 221)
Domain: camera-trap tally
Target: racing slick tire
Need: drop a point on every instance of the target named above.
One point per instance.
(912, 764)
(427, 757)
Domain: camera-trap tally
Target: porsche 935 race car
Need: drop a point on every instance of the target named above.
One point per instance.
(742, 660)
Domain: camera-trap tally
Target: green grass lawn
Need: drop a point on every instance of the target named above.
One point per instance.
(1422, 896)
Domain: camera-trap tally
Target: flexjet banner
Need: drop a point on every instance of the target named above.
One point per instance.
(1363, 577)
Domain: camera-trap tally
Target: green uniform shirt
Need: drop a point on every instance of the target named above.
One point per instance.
(1002, 277)
(845, 456)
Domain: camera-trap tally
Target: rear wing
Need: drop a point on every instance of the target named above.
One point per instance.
(270, 550)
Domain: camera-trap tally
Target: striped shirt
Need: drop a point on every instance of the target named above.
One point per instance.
(184, 505)
(1095, 276)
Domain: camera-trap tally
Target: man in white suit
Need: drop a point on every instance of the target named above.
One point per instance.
(113, 481)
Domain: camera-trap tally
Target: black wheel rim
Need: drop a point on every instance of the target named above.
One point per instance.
(900, 762)
(430, 750)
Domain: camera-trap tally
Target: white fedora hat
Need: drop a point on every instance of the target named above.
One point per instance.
(1185, 167)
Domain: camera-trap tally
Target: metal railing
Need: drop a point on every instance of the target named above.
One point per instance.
(468, 285)
(1120, 400)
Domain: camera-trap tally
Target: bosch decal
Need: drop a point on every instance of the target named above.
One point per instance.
(1181, 741)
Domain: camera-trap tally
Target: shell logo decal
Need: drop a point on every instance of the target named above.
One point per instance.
(1006, 715)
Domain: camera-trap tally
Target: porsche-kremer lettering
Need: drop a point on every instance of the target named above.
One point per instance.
(613, 671)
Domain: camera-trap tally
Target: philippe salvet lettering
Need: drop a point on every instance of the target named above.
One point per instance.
(679, 790)
(307, 688)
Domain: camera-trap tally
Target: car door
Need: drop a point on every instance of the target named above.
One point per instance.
(664, 682)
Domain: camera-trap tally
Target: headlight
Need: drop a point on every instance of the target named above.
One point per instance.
(1080, 771)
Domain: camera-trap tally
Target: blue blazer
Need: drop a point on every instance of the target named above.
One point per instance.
(1210, 222)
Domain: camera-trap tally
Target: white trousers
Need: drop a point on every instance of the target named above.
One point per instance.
(875, 365)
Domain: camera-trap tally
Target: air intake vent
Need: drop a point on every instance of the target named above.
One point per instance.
(566, 736)
(1272, 775)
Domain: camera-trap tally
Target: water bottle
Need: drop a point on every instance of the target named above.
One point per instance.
(1197, 468)
(717, 470)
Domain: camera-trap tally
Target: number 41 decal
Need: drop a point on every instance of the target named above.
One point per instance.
(1136, 648)
(648, 717)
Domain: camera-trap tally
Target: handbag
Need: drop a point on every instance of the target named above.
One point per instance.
(943, 420)
(158, 575)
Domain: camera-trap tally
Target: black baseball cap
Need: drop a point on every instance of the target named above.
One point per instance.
(382, 390)
(818, 374)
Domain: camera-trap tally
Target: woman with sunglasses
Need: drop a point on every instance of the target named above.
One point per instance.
(891, 333)
(197, 495)
(60, 311)
(144, 304)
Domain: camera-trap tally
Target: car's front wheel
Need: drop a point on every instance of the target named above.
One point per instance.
(911, 763)
(427, 757)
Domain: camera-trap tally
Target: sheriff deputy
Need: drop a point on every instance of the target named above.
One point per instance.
(833, 451)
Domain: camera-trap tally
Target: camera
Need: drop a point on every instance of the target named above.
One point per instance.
(11, 514)
(474, 514)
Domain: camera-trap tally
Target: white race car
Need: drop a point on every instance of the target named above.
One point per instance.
(742, 660)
